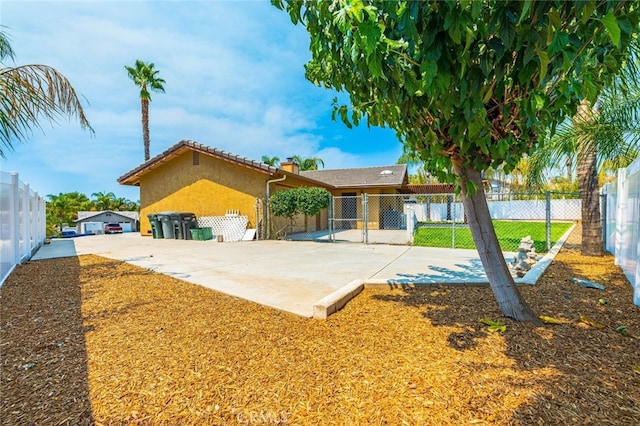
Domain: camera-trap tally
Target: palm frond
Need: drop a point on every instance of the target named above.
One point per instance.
(29, 93)
(5, 47)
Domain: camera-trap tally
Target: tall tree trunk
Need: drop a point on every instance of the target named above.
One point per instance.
(145, 127)
(504, 288)
(586, 164)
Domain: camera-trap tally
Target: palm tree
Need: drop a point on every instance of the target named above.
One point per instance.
(272, 161)
(146, 78)
(604, 133)
(64, 208)
(104, 201)
(412, 158)
(310, 163)
(29, 93)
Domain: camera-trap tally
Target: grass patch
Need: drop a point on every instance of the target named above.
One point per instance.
(509, 235)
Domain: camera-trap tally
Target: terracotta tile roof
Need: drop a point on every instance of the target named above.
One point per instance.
(392, 176)
(132, 177)
(386, 176)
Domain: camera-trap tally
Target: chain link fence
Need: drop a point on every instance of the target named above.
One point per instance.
(545, 217)
(439, 220)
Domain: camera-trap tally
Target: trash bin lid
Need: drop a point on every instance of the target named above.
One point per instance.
(165, 216)
(182, 216)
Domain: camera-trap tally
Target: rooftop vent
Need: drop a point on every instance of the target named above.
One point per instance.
(386, 172)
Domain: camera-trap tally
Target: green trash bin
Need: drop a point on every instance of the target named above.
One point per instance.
(196, 234)
(201, 234)
(156, 225)
(207, 234)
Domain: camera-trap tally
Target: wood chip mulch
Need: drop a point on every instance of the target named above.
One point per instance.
(91, 340)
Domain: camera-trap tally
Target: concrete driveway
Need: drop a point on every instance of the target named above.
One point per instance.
(288, 275)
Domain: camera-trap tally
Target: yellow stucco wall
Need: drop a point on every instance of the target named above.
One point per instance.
(208, 188)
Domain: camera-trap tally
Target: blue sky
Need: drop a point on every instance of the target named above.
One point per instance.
(234, 74)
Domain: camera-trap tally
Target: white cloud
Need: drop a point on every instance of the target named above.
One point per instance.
(234, 80)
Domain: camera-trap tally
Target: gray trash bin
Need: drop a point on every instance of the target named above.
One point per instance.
(180, 221)
(167, 225)
(156, 225)
(188, 222)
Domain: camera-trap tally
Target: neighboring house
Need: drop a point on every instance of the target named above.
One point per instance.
(195, 178)
(90, 221)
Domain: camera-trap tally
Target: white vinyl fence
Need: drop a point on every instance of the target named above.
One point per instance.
(22, 222)
(622, 222)
(508, 209)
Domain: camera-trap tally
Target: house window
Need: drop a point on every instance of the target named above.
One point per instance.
(196, 158)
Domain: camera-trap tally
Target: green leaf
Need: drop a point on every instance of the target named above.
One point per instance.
(587, 11)
(622, 329)
(538, 100)
(525, 11)
(396, 44)
(371, 34)
(554, 17)
(494, 325)
(544, 62)
(375, 64)
(609, 21)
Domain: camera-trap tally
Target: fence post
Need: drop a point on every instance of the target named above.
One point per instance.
(453, 219)
(621, 216)
(330, 217)
(548, 218)
(603, 208)
(26, 218)
(14, 217)
(365, 218)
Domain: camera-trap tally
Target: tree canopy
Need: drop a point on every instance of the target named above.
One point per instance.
(476, 80)
(310, 163)
(306, 201)
(466, 84)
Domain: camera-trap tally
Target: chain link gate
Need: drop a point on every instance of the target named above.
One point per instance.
(346, 218)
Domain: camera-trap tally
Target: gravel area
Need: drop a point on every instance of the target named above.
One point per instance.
(89, 340)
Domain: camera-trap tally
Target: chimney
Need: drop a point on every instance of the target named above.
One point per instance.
(290, 166)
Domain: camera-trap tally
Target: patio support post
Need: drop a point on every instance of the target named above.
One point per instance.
(267, 209)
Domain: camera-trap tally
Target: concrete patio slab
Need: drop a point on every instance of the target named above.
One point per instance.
(58, 247)
(301, 277)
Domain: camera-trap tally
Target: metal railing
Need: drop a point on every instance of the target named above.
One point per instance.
(621, 223)
(22, 222)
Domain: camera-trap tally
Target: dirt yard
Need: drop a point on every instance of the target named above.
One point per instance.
(91, 340)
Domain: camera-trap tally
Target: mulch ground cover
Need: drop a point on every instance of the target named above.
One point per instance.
(91, 340)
